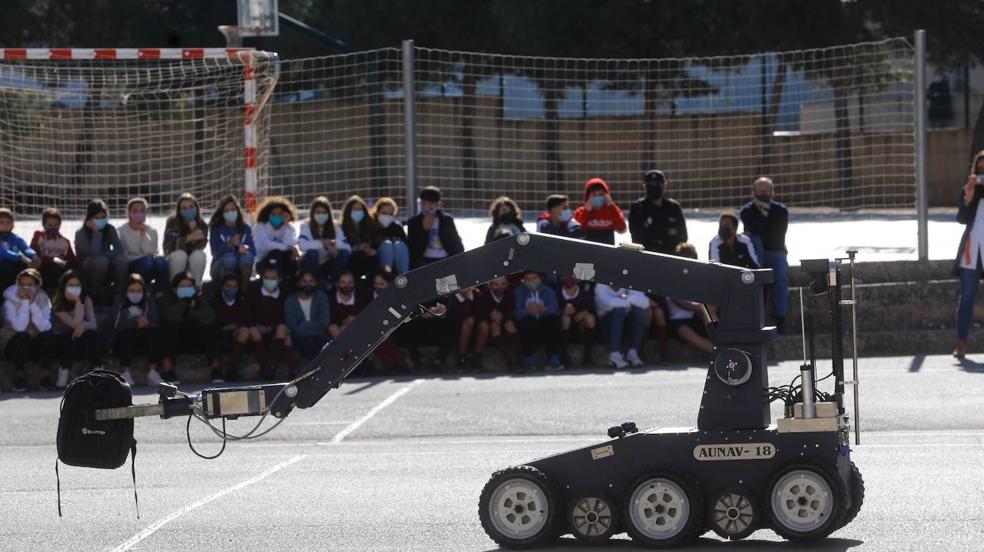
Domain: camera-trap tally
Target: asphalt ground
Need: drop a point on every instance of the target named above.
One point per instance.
(398, 464)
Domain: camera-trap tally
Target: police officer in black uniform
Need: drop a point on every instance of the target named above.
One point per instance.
(656, 221)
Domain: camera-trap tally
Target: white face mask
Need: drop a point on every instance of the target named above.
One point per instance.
(386, 220)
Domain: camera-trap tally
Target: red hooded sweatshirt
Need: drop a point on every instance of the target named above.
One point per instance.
(600, 223)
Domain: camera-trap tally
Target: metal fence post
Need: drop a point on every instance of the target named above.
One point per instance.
(922, 193)
(409, 127)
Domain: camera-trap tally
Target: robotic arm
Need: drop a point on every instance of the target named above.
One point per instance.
(739, 335)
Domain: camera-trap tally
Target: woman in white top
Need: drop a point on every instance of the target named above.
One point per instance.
(275, 236)
(614, 307)
(25, 334)
(140, 247)
(324, 250)
(969, 264)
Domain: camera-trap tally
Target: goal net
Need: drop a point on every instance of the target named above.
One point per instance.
(85, 123)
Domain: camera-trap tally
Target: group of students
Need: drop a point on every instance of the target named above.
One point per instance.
(315, 275)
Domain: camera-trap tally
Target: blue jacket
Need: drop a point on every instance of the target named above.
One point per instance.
(547, 296)
(219, 236)
(12, 246)
(320, 315)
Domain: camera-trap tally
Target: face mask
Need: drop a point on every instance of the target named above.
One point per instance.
(189, 214)
(386, 220)
(654, 191)
(427, 211)
(345, 290)
(73, 291)
(508, 217)
(29, 290)
(230, 216)
(764, 198)
(100, 223)
(357, 216)
(138, 217)
(307, 289)
(51, 232)
(230, 293)
(533, 286)
(565, 215)
(186, 292)
(725, 233)
(321, 218)
(277, 220)
(270, 284)
(598, 201)
(134, 296)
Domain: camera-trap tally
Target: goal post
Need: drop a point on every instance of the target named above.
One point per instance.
(77, 124)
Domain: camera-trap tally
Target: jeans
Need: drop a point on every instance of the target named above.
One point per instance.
(230, 263)
(776, 260)
(395, 255)
(153, 269)
(970, 280)
(616, 324)
(331, 268)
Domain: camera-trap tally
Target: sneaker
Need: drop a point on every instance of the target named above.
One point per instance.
(554, 364)
(154, 377)
(633, 357)
(217, 375)
(61, 380)
(616, 361)
(20, 384)
(529, 363)
(128, 377)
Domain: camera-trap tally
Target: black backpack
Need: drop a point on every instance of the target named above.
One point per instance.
(84, 441)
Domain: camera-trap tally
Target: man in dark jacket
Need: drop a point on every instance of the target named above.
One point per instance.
(731, 248)
(431, 234)
(765, 223)
(656, 221)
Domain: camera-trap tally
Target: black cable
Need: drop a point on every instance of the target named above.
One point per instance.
(192, 446)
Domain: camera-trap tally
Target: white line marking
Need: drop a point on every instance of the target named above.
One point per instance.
(375, 410)
(151, 529)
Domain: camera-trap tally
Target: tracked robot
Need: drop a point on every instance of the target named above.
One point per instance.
(734, 473)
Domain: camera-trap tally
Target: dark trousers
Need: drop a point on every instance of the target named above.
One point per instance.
(189, 338)
(22, 348)
(362, 267)
(87, 346)
(534, 332)
(308, 346)
(9, 271)
(51, 273)
(131, 343)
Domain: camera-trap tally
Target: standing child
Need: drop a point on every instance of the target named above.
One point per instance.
(136, 327)
(15, 255)
(494, 312)
(54, 249)
(276, 237)
(391, 239)
(140, 247)
(266, 312)
(236, 330)
(600, 217)
(188, 326)
(432, 235)
(324, 250)
(25, 334)
(73, 326)
(231, 240)
(185, 239)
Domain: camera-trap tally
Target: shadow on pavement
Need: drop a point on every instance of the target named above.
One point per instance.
(826, 545)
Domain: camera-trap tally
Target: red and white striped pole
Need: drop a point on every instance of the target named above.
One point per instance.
(249, 129)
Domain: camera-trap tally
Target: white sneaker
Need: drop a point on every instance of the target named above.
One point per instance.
(616, 361)
(633, 357)
(128, 377)
(153, 378)
(61, 380)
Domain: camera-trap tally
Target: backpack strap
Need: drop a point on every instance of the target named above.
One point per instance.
(133, 473)
(58, 484)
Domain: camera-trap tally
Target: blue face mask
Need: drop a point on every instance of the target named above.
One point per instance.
(189, 214)
(230, 216)
(100, 223)
(230, 293)
(565, 215)
(270, 284)
(321, 218)
(277, 220)
(185, 292)
(357, 216)
(598, 201)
